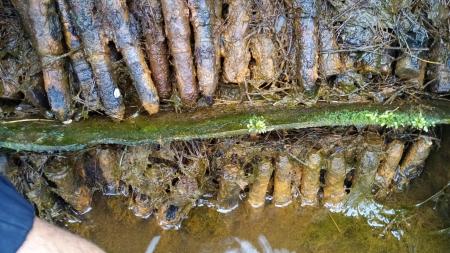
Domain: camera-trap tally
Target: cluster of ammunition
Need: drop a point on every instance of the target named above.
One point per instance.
(262, 42)
(168, 180)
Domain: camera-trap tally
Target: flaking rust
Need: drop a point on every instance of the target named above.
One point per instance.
(205, 52)
(149, 14)
(95, 46)
(178, 31)
(262, 175)
(81, 67)
(310, 178)
(283, 179)
(41, 20)
(235, 42)
(413, 162)
(334, 192)
(119, 18)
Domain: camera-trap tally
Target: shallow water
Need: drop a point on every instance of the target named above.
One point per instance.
(397, 226)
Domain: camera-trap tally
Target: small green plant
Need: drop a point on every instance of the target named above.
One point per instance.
(257, 125)
(391, 118)
(396, 119)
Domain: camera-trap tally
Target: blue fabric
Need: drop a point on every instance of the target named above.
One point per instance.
(16, 217)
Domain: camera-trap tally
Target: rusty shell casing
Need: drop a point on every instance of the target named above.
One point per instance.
(263, 52)
(149, 14)
(367, 165)
(440, 73)
(141, 206)
(263, 173)
(388, 167)
(119, 18)
(235, 42)
(369, 160)
(95, 48)
(413, 162)
(174, 211)
(378, 63)
(42, 196)
(178, 31)
(306, 30)
(411, 68)
(282, 191)
(108, 163)
(330, 62)
(69, 183)
(41, 21)
(205, 47)
(81, 67)
(310, 179)
(217, 6)
(229, 190)
(334, 191)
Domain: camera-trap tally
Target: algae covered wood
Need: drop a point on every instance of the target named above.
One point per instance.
(47, 136)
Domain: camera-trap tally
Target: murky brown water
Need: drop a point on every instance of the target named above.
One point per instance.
(293, 228)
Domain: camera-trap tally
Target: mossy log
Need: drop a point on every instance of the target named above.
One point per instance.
(50, 136)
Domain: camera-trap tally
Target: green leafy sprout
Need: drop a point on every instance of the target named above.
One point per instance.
(396, 120)
(257, 125)
(392, 118)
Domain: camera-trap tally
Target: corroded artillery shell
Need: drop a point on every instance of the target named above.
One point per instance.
(263, 172)
(310, 179)
(334, 192)
(413, 162)
(282, 193)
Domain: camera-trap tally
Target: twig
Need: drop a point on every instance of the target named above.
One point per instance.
(26, 120)
(423, 60)
(339, 230)
(434, 195)
(365, 48)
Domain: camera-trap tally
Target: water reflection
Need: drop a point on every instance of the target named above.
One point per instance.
(153, 243)
(248, 247)
(399, 225)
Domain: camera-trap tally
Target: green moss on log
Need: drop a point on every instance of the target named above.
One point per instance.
(44, 136)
